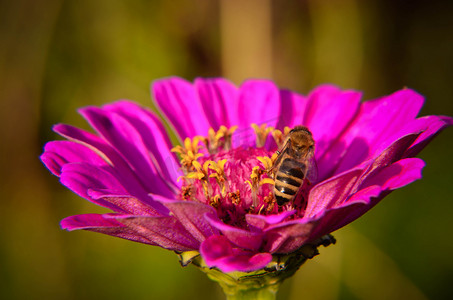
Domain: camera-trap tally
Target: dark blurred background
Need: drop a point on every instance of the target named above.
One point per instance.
(56, 56)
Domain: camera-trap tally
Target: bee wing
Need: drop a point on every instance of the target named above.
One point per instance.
(312, 168)
(280, 156)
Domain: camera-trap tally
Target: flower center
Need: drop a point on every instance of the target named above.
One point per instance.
(235, 181)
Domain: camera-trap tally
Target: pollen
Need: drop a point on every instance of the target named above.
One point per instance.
(235, 197)
(186, 192)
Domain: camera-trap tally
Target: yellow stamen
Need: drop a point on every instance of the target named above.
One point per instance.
(255, 183)
(220, 139)
(201, 174)
(215, 201)
(219, 174)
(261, 134)
(267, 181)
(266, 161)
(189, 153)
(280, 137)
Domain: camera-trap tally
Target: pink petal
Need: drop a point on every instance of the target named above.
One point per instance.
(255, 99)
(127, 203)
(82, 177)
(328, 112)
(391, 154)
(336, 218)
(179, 102)
(128, 141)
(374, 128)
(431, 127)
(219, 100)
(165, 232)
(217, 252)
(398, 174)
(239, 237)
(371, 192)
(190, 214)
(124, 173)
(294, 109)
(58, 153)
(261, 222)
(87, 221)
(154, 136)
(288, 236)
(333, 190)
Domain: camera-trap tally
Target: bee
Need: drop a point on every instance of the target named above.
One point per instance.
(295, 163)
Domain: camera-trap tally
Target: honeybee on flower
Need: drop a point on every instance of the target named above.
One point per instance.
(222, 213)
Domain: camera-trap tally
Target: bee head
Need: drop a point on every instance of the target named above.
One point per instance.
(301, 141)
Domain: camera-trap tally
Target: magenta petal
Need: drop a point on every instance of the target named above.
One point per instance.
(87, 221)
(178, 100)
(255, 99)
(125, 138)
(334, 190)
(371, 192)
(398, 174)
(53, 162)
(154, 138)
(288, 236)
(219, 99)
(391, 154)
(374, 128)
(336, 218)
(294, 109)
(165, 232)
(322, 114)
(127, 203)
(431, 126)
(124, 173)
(82, 177)
(364, 195)
(217, 252)
(58, 153)
(190, 214)
(261, 222)
(239, 237)
(98, 223)
(93, 142)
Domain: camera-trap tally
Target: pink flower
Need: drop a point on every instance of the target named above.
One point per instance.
(222, 204)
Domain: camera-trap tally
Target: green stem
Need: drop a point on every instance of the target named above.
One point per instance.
(261, 284)
(265, 293)
(246, 286)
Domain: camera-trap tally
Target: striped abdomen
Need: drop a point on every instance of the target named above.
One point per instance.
(288, 180)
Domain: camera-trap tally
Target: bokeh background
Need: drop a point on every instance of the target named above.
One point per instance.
(57, 55)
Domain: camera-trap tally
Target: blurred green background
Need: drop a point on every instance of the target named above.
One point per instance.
(56, 56)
